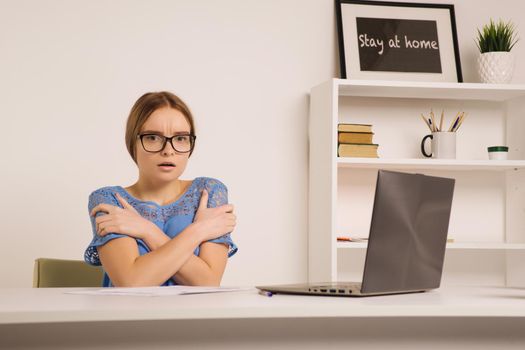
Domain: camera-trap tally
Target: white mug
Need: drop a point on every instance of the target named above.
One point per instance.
(442, 145)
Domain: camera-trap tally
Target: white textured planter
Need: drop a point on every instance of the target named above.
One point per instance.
(496, 67)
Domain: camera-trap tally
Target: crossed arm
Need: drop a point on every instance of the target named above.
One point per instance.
(169, 258)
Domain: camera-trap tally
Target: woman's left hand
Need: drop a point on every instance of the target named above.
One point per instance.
(126, 220)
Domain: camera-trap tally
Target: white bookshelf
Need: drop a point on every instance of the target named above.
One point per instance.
(488, 211)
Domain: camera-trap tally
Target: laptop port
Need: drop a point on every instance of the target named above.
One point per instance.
(323, 290)
(333, 291)
(342, 291)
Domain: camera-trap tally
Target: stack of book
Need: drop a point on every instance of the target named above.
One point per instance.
(355, 140)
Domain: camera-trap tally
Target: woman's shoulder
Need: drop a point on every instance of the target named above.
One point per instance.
(103, 195)
(216, 190)
(107, 190)
(208, 183)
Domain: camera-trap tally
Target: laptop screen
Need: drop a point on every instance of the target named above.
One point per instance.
(408, 232)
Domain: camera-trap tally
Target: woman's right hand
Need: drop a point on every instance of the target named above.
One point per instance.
(214, 222)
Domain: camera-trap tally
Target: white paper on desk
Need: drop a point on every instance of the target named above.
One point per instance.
(157, 291)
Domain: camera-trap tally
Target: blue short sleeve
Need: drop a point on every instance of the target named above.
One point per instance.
(218, 195)
(104, 195)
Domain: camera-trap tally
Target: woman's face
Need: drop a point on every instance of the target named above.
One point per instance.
(167, 122)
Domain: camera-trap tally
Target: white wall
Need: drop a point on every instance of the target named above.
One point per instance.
(70, 71)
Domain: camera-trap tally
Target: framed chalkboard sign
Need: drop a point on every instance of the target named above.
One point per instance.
(398, 41)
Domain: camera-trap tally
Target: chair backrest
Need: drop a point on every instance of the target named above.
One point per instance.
(66, 273)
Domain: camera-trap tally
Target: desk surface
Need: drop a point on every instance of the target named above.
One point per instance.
(29, 305)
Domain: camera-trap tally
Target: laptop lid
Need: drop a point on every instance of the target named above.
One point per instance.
(408, 231)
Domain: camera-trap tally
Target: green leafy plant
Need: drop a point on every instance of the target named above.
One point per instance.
(498, 36)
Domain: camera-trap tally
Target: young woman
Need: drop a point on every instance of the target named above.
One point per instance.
(161, 230)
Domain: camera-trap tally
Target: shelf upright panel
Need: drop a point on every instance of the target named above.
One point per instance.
(515, 192)
(322, 183)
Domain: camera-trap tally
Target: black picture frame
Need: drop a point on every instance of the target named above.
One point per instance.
(380, 40)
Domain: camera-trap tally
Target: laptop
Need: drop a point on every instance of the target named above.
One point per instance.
(407, 241)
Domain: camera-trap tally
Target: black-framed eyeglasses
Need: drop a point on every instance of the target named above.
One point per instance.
(154, 143)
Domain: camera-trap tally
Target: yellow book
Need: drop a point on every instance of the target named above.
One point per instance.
(357, 150)
(354, 127)
(355, 137)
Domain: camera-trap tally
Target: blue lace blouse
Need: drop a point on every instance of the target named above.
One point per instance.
(171, 219)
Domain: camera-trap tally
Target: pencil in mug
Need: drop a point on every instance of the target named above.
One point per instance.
(432, 128)
(441, 122)
(433, 121)
(426, 122)
(454, 121)
(461, 119)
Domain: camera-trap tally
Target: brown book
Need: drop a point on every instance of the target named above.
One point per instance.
(357, 150)
(355, 137)
(354, 127)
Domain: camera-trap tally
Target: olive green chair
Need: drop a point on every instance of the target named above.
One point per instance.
(66, 273)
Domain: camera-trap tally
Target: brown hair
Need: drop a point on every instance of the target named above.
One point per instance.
(144, 107)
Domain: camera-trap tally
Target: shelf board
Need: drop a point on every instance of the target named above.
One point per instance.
(429, 90)
(438, 164)
(486, 245)
(455, 245)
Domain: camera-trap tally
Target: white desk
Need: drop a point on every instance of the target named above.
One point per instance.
(477, 318)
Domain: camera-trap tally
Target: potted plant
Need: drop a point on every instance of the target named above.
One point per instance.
(496, 62)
